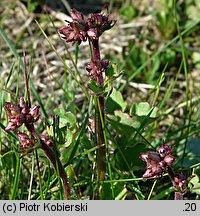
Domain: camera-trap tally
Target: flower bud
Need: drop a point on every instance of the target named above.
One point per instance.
(34, 112)
(169, 160)
(22, 103)
(24, 140)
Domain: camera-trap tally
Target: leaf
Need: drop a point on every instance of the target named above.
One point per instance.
(115, 102)
(129, 12)
(69, 138)
(94, 87)
(144, 109)
(126, 119)
(194, 185)
(129, 156)
(112, 70)
(66, 118)
(122, 195)
(123, 123)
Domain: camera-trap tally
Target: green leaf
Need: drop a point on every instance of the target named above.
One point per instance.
(66, 118)
(126, 119)
(123, 123)
(94, 87)
(70, 137)
(129, 12)
(115, 102)
(122, 195)
(144, 109)
(194, 185)
(112, 70)
(131, 155)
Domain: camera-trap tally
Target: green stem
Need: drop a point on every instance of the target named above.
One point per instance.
(39, 174)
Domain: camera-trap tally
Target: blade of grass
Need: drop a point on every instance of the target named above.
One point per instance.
(169, 89)
(66, 4)
(39, 174)
(185, 64)
(107, 147)
(163, 194)
(157, 87)
(17, 177)
(31, 179)
(152, 188)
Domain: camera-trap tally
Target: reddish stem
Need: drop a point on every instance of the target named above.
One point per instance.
(50, 154)
(26, 81)
(101, 151)
(55, 161)
(171, 173)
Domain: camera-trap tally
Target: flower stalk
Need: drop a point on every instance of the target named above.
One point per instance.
(23, 113)
(101, 150)
(79, 30)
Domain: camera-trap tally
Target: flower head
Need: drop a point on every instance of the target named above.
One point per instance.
(79, 29)
(154, 164)
(157, 161)
(19, 114)
(180, 182)
(75, 31)
(25, 140)
(97, 24)
(96, 68)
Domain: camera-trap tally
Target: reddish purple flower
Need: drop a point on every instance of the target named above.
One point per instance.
(80, 28)
(97, 24)
(157, 161)
(165, 150)
(154, 164)
(34, 112)
(75, 31)
(96, 68)
(180, 182)
(25, 140)
(19, 114)
(77, 16)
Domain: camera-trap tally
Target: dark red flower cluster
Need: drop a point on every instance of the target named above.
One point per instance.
(21, 113)
(25, 140)
(79, 29)
(97, 24)
(96, 68)
(157, 161)
(75, 31)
